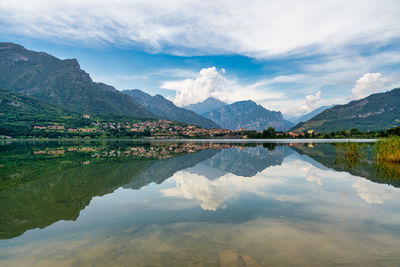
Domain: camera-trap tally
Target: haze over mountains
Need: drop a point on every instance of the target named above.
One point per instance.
(205, 106)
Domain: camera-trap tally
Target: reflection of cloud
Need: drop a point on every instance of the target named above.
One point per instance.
(313, 176)
(212, 194)
(193, 186)
(374, 193)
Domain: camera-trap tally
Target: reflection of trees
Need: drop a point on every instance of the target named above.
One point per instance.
(349, 155)
(387, 170)
(269, 146)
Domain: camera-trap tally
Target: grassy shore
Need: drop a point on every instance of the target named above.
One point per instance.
(388, 149)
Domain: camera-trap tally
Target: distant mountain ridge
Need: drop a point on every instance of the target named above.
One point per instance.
(375, 112)
(247, 115)
(309, 115)
(164, 108)
(205, 106)
(61, 82)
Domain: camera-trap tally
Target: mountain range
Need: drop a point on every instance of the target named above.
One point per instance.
(61, 82)
(37, 86)
(247, 115)
(205, 106)
(164, 108)
(375, 112)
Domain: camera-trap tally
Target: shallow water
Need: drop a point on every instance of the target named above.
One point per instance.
(196, 204)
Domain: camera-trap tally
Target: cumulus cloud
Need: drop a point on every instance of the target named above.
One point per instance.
(311, 102)
(370, 83)
(207, 27)
(213, 83)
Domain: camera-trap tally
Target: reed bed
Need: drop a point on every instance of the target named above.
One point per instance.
(388, 149)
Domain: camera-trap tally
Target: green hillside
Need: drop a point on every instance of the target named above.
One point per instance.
(375, 112)
(20, 113)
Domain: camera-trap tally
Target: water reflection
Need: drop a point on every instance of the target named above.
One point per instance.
(226, 174)
(359, 161)
(209, 204)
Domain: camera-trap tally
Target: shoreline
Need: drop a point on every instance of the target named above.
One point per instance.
(276, 141)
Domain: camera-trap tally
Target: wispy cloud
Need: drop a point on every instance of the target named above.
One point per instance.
(257, 28)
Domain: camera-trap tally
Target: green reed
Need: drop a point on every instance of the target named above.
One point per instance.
(388, 149)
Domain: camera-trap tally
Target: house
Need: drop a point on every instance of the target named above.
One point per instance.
(56, 127)
(39, 127)
(293, 134)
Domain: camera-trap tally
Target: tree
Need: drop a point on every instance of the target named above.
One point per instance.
(269, 133)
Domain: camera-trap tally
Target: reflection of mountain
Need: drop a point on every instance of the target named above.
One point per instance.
(243, 162)
(365, 166)
(36, 192)
(161, 170)
(60, 194)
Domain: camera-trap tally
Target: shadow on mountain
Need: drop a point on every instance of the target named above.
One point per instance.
(359, 160)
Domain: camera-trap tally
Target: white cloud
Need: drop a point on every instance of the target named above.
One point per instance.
(211, 82)
(370, 83)
(311, 102)
(257, 28)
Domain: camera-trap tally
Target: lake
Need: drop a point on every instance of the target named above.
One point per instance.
(171, 203)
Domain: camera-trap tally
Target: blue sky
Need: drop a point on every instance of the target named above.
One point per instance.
(288, 56)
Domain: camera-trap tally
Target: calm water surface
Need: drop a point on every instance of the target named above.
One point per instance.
(196, 204)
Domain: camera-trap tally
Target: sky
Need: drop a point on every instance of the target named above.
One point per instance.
(289, 56)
